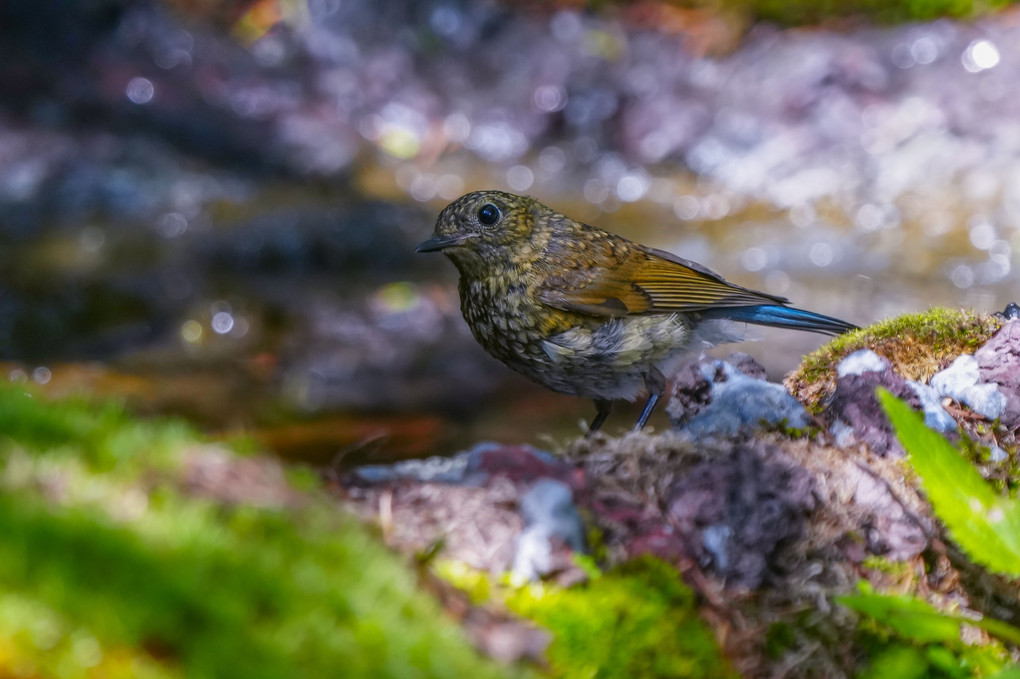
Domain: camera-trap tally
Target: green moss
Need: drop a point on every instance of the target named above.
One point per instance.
(888, 566)
(638, 620)
(780, 638)
(917, 345)
(594, 539)
(801, 12)
(475, 583)
(805, 12)
(111, 567)
(101, 436)
(784, 429)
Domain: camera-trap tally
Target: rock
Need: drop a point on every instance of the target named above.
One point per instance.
(854, 410)
(1011, 312)
(636, 526)
(691, 392)
(550, 503)
(734, 512)
(714, 540)
(961, 381)
(473, 524)
(518, 463)
(216, 473)
(999, 362)
(422, 512)
(888, 530)
(860, 362)
(533, 554)
(431, 469)
(551, 523)
(935, 416)
(659, 541)
(727, 401)
(747, 364)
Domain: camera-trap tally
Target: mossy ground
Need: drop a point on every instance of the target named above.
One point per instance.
(917, 345)
(864, 496)
(636, 620)
(120, 558)
(135, 549)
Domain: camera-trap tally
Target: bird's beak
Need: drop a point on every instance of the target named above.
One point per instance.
(437, 243)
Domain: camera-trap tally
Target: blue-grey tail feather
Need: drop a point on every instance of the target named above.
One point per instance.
(784, 317)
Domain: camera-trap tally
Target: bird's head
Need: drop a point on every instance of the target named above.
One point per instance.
(482, 228)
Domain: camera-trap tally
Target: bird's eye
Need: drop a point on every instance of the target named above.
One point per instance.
(488, 214)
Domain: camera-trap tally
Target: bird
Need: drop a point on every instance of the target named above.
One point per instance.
(588, 313)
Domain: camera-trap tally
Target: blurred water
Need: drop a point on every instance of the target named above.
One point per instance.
(231, 227)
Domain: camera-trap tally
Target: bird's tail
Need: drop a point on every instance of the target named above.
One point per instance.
(784, 317)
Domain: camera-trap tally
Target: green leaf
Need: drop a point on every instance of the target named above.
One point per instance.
(909, 617)
(898, 662)
(935, 647)
(984, 524)
(918, 620)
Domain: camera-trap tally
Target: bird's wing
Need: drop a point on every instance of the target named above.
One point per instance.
(642, 280)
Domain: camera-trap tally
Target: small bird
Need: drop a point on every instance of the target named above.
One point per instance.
(588, 313)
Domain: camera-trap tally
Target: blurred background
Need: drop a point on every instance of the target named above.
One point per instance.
(209, 208)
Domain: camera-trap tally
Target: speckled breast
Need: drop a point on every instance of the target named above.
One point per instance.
(571, 353)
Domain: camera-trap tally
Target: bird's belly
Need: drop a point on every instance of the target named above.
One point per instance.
(604, 360)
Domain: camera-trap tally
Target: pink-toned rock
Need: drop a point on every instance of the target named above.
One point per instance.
(855, 414)
(522, 464)
(999, 362)
(733, 513)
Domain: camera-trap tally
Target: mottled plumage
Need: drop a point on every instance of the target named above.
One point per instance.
(585, 312)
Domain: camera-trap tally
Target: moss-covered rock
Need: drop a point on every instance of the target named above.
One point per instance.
(917, 345)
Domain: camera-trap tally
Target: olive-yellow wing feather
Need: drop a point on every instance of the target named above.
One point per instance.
(632, 279)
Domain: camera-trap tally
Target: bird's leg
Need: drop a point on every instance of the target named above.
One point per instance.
(602, 408)
(649, 407)
(655, 381)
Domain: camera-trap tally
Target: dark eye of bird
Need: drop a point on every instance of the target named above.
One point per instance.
(488, 214)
